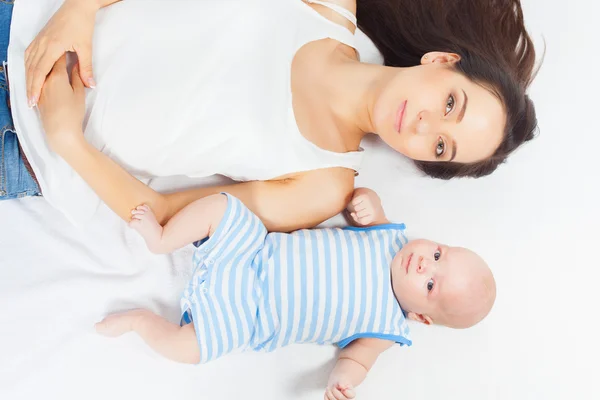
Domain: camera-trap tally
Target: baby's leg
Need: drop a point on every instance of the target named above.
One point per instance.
(174, 342)
(194, 222)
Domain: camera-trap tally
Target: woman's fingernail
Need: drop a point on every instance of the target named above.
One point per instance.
(32, 102)
(92, 83)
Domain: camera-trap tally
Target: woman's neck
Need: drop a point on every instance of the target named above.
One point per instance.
(350, 88)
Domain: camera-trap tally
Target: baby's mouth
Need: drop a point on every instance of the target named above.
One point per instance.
(408, 260)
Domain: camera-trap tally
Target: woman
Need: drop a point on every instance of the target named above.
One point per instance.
(284, 110)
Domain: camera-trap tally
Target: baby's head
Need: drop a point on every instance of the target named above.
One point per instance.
(437, 284)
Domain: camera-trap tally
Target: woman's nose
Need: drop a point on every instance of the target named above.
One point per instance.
(424, 123)
(429, 124)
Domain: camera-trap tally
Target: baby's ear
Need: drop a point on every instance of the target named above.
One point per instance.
(424, 319)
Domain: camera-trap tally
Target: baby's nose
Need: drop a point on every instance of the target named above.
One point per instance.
(425, 264)
(421, 267)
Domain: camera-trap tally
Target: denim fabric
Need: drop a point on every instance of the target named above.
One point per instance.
(15, 179)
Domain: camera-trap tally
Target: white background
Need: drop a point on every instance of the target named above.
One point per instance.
(535, 221)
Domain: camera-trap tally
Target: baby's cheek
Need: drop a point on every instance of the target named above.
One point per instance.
(407, 295)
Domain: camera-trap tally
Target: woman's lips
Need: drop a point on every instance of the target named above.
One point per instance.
(400, 116)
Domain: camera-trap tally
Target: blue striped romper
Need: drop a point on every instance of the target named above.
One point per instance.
(253, 290)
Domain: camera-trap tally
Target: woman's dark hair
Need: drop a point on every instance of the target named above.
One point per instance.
(496, 52)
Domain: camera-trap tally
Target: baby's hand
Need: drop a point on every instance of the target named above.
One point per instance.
(144, 222)
(340, 390)
(365, 207)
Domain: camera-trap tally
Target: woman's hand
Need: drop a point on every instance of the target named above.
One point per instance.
(70, 29)
(62, 106)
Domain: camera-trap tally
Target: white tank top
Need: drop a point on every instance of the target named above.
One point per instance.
(209, 94)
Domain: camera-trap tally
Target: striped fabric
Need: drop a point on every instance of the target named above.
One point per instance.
(257, 291)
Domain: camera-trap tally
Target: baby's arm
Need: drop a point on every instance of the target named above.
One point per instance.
(354, 362)
(196, 221)
(365, 208)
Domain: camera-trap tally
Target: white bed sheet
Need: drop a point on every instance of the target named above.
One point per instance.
(535, 221)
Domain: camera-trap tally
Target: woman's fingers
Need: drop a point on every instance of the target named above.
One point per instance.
(29, 55)
(84, 54)
(30, 74)
(42, 64)
(76, 83)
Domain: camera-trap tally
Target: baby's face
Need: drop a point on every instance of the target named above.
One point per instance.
(429, 279)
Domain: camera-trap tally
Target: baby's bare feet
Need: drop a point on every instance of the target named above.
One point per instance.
(144, 222)
(120, 323)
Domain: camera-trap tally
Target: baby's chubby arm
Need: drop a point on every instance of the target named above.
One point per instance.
(196, 221)
(354, 362)
(365, 208)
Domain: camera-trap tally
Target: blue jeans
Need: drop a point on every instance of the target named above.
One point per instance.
(15, 179)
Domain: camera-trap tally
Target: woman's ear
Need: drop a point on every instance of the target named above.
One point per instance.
(424, 319)
(440, 57)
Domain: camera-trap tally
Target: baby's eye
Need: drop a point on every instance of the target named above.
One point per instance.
(430, 285)
(450, 104)
(440, 148)
(437, 255)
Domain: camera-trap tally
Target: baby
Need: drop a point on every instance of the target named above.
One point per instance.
(253, 290)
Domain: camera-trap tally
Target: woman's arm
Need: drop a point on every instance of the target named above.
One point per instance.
(299, 201)
(70, 29)
(103, 3)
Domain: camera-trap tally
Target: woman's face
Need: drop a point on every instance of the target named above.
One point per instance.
(432, 113)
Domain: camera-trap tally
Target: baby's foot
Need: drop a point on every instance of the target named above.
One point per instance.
(144, 222)
(118, 324)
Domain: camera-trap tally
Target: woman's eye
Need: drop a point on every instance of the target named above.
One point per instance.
(430, 285)
(449, 104)
(437, 255)
(440, 148)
